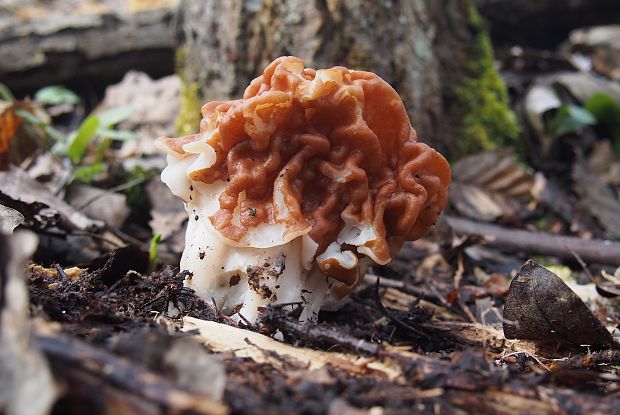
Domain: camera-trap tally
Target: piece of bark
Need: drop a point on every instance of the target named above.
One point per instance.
(539, 243)
(87, 368)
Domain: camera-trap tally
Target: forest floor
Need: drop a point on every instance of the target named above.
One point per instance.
(511, 304)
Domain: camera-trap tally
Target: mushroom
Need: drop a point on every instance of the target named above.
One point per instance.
(295, 189)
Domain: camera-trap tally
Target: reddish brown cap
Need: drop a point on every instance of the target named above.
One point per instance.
(330, 152)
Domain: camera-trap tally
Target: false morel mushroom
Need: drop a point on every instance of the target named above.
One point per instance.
(293, 190)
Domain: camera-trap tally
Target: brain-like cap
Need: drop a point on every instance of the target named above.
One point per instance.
(325, 153)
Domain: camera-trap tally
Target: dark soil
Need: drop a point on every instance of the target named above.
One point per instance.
(112, 308)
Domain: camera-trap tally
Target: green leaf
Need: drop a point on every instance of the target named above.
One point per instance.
(113, 116)
(56, 95)
(54, 134)
(601, 106)
(607, 112)
(50, 131)
(79, 140)
(6, 94)
(87, 173)
(153, 257)
(29, 117)
(570, 119)
(120, 135)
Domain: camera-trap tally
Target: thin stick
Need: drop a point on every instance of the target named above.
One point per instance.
(118, 188)
(540, 243)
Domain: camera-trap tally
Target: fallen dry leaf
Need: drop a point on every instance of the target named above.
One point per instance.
(155, 104)
(602, 44)
(582, 85)
(100, 204)
(540, 306)
(18, 186)
(604, 162)
(540, 102)
(9, 122)
(549, 194)
(183, 359)
(9, 219)
(597, 198)
(168, 215)
(490, 185)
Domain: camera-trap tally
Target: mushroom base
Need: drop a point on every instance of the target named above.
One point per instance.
(243, 281)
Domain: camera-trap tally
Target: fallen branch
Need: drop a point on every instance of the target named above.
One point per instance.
(539, 243)
(321, 336)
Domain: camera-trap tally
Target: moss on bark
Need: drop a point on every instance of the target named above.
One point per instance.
(487, 121)
(189, 116)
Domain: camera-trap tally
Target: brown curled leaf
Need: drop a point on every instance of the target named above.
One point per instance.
(540, 306)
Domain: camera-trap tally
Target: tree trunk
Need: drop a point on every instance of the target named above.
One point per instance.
(435, 53)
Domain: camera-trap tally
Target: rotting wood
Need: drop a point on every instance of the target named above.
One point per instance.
(539, 243)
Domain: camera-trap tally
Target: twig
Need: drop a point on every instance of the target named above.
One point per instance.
(128, 238)
(405, 287)
(458, 276)
(605, 357)
(395, 320)
(528, 354)
(583, 265)
(318, 335)
(60, 271)
(118, 188)
(540, 243)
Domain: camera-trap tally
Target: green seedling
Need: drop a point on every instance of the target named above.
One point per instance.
(153, 256)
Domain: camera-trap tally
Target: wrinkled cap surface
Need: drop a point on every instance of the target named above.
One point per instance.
(326, 153)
